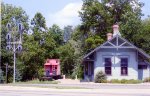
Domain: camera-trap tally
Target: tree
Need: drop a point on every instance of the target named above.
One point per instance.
(18, 76)
(33, 55)
(93, 42)
(1, 76)
(67, 33)
(57, 34)
(39, 46)
(67, 59)
(98, 18)
(38, 22)
(142, 38)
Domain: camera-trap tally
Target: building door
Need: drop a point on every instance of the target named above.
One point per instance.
(89, 68)
(50, 68)
(140, 74)
(141, 68)
(47, 72)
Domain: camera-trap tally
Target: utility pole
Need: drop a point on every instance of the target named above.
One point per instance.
(14, 39)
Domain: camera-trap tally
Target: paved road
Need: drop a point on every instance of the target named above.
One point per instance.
(35, 91)
(91, 86)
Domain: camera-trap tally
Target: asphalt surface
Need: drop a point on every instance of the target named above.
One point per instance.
(33, 91)
(90, 86)
(51, 90)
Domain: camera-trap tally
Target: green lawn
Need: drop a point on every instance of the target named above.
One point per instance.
(38, 82)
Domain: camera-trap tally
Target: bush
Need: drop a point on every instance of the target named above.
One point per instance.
(147, 79)
(115, 81)
(41, 72)
(124, 81)
(100, 77)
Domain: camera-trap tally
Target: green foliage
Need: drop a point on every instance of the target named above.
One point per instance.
(39, 22)
(18, 76)
(57, 34)
(142, 38)
(124, 81)
(7, 12)
(67, 59)
(1, 76)
(98, 18)
(93, 42)
(78, 69)
(100, 77)
(39, 46)
(131, 81)
(36, 81)
(67, 33)
(41, 72)
(115, 81)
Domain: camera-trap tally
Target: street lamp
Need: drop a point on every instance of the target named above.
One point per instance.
(14, 39)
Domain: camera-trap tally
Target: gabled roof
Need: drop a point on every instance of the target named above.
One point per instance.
(117, 42)
(52, 62)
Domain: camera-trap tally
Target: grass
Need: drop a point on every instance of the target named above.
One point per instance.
(36, 81)
(69, 87)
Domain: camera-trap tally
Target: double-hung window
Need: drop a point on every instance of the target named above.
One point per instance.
(124, 66)
(108, 64)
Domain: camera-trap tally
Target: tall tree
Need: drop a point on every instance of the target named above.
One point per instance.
(67, 33)
(38, 22)
(57, 34)
(33, 55)
(142, 39)
(98, 17)
(67, 59)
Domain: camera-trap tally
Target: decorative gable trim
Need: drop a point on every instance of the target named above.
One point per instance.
(117, 42)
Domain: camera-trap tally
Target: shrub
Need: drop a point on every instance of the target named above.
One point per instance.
(41, 72)
(124, 81)
(100, 77)
(132, 81)
(147, 79)
(115, 81)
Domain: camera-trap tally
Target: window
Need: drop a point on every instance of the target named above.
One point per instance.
(124, 66)
(142, 66)
(47, 61)
(56, 61)
(108, 66)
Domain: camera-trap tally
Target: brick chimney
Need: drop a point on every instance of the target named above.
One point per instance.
(109, 36)
(116, 30)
